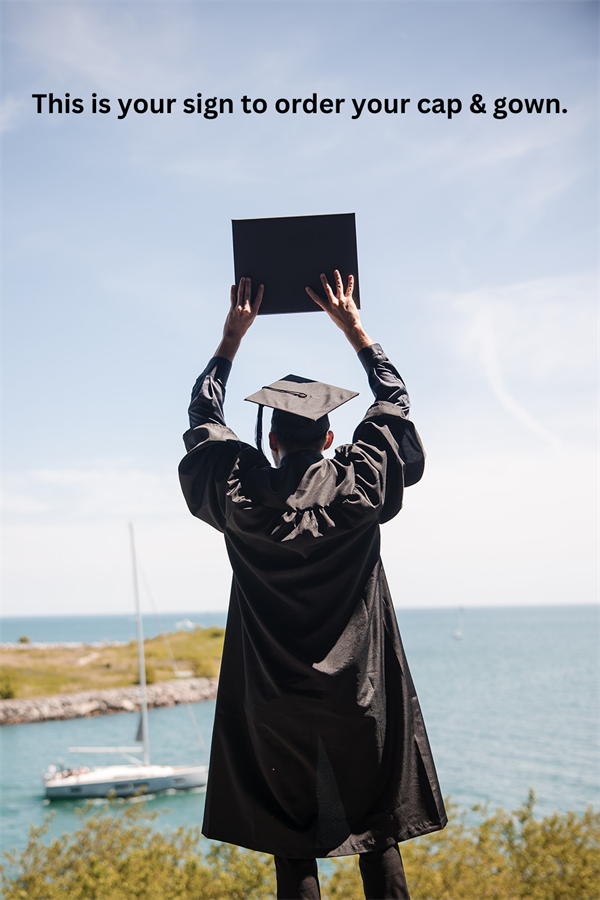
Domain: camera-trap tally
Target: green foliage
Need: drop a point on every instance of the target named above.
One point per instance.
(503, 857)
(23, 639)
(204, 668)
(213, 632)
(8, 686)
(150, 675)
(116, 854)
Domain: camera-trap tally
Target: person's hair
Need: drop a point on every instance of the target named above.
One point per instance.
(292, 444)
(294, 432)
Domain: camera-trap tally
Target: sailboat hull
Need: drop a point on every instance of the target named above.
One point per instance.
(125, 781)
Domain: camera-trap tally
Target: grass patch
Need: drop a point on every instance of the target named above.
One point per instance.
(30, 672)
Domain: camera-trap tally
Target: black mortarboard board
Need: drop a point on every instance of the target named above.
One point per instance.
(300, 406)
(289, 253)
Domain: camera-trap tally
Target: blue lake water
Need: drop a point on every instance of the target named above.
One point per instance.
(99, 628)
(512, 705)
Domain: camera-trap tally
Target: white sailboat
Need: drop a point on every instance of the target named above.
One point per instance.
(125, 779)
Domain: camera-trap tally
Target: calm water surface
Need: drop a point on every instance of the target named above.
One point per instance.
(100, 628)
(512, 705)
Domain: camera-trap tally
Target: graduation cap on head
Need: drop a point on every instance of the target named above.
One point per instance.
(300, 407)
(289, 253)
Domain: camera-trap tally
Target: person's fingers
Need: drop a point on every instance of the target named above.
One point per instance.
(339, 285)
(328, 292)
(240, 291)
(318, 300)
(248, 293)
(233, 295)
(258, 298)
(350, 287)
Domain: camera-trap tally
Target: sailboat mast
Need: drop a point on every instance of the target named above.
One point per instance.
(141, 658)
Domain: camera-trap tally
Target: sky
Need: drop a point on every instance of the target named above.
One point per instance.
(477, 243)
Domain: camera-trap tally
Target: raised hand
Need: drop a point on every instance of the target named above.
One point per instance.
(241, 315)
(341, 309)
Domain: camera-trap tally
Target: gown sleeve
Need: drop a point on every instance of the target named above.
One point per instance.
(212, 447)
(208, 394)
(386, 438)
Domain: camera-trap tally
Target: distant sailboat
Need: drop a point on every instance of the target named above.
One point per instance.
(459, 631)
(126, 779)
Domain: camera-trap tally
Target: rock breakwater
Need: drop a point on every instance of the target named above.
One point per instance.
(102, 702)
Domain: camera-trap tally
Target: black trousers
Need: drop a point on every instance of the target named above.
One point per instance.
(382, 875)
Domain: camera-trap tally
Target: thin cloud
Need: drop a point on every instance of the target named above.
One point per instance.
(103, 45)
(94, 494)
(12, 112)
(482, 336)
(531, 339)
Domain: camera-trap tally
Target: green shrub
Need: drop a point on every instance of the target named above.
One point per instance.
(24, 639)
(8, 686)
(205, 668)
(503, 857)
(215, 632)
(150, 675)
(116, 854)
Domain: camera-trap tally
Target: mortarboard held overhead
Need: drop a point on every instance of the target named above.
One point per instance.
(288, 253)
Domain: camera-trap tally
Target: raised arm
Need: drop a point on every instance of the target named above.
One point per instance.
(386, 427)
(241, 315)
(384, 380)
(208, 394)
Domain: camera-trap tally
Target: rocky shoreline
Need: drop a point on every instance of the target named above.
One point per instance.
(103, 702)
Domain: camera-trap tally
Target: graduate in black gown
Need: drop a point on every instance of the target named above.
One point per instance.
(319, 747)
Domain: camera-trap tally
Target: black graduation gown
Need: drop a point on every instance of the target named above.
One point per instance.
(319, 747)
